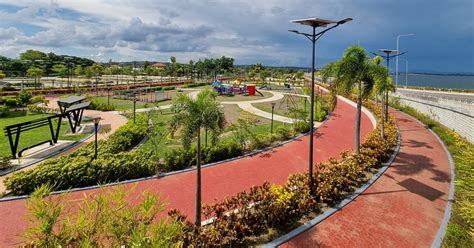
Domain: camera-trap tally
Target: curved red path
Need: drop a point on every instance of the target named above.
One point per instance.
(403, 208)
(225, 179)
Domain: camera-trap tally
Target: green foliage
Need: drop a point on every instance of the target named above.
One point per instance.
(105, 218)
(101, 106)
(4, 110)
(5, 163)
(80, 169)
(24, 97)
(11, 102)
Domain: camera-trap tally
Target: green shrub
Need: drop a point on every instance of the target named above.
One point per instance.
(11, 102)
(169, 87)
(301, 126)
(105, 218)
(5, 163)
(178, 159)
(79, 169)
(8, 88)
(101, 106)
(24, 98)
(4, 110)
(283, 133)
(37, 99)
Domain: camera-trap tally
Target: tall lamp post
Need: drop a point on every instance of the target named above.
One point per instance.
(96, 127)
(271, 127)
(315, 23)
(387, 55)
(406, 72)
(396, 63)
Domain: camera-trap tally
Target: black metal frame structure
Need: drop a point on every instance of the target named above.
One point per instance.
(16, 129)
(73, 108)
(72, 112)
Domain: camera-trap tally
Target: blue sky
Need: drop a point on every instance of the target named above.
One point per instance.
(249, 31)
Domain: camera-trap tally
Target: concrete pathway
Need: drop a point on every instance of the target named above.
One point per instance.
(221, 180)
(403, 208)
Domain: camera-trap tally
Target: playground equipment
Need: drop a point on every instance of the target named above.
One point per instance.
(236, 88)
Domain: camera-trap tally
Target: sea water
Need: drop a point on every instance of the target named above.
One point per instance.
(437, 81)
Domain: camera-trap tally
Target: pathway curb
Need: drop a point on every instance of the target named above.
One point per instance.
(348, 199)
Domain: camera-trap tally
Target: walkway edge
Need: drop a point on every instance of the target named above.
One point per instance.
(308, 225)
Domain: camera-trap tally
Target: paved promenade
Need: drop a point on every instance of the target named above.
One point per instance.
(403, 208)
(224, 179)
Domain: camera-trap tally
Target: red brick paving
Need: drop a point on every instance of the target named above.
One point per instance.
(224, 179)
(404, 208)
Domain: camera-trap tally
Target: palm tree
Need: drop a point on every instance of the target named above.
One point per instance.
(383, 83)
(193, 115)
(355, 70)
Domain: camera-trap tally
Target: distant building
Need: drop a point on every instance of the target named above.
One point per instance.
(158, 65)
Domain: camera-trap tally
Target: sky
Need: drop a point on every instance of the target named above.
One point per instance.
(250, 31)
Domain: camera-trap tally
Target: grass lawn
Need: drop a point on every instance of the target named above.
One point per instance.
(283, 106)
(34, 136)
(239, 98)
(161, 121)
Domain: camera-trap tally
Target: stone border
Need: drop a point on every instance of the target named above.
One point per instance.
(348, 199)
(447, 212)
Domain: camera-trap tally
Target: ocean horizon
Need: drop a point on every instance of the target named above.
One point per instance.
(449, 81)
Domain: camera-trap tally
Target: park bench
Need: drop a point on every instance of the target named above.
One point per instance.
(13, 132)
(73, 108)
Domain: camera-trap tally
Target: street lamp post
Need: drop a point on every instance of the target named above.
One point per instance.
(406, 72)
(96, 127)
(271, 127)
(314, 23)
(134, 106)
(387, 56)
(396, 63)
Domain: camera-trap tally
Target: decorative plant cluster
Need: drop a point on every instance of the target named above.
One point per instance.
(239, 219)
(109, 218)
(80, 169)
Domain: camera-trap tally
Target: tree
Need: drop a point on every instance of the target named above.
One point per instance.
(193, 115)
(60, 70)
(35, 73)
(78, 71)
(383, 83)
(355, 70)
(96, 70)
(2, 75)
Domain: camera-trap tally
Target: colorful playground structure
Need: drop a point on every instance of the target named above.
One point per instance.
(236, 88)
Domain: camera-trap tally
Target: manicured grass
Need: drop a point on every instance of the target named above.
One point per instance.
(460, 231)
(285, 106)
(34, 136)
(120, 105)
(161, 123)
(241, 97)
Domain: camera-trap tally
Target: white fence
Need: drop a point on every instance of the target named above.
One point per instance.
(455, 111)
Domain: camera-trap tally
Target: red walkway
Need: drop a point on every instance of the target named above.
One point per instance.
(404, 208)
(224, 179)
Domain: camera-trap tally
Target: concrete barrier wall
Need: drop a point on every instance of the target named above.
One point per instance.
(455, 114)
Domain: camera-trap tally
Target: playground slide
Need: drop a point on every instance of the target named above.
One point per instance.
(260, 93)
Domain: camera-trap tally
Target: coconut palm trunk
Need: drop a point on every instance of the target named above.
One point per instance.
(386, 105)
(358, 117)
(198, 179)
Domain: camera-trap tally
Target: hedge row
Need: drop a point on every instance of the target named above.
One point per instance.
(274, 206)
(80, 169)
